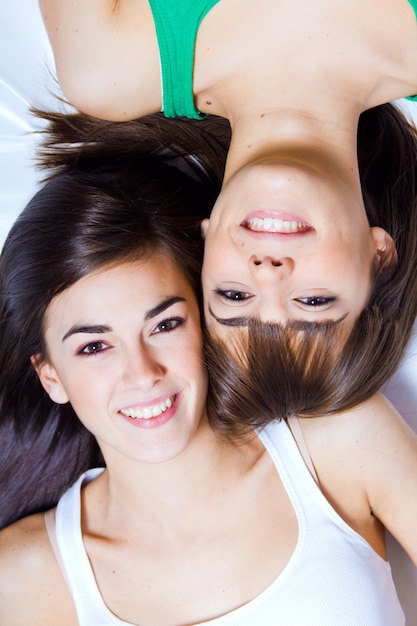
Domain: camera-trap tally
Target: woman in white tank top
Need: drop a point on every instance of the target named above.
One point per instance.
(182, 526)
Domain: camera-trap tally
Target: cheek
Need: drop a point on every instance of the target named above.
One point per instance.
(193, 362)
(335, 261)
(219, 252)
(86, 389)
(194, 369)
(351, 266)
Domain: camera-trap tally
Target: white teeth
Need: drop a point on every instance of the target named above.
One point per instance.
(149, 411)
(275, 225)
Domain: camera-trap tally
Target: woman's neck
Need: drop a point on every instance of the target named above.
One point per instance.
(318, 133)
(161, 492)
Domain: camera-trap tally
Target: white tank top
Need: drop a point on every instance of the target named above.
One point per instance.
(333, 577)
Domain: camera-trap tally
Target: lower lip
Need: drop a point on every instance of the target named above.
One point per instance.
(284, 235)
(265, 234)
(153, 422)
(280, 215)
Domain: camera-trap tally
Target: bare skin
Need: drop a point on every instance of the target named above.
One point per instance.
(335, 65)
(367, 478)
(365, 460)
(292, 79)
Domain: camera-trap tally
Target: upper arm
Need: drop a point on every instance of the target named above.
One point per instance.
(106, 55)
(391, 476)
(32, 589)
(366, 461)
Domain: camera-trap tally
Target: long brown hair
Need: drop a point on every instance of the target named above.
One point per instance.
(115, 192)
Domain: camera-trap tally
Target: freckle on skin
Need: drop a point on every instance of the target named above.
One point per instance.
(262, 114)
(250, 146)
(208, 102)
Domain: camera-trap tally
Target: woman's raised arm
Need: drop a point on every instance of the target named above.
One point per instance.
(106, 55)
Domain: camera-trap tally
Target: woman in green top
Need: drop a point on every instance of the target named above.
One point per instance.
(292, 78)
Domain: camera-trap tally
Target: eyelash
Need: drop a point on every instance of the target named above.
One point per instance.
(90, 349)
(84, 351)
(227, 295)
(240, 296)
(165, 326)
(315, 301)
(175, 322)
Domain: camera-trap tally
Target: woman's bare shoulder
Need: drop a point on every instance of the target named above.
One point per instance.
(376, 417)
(106, 55)
(32, 589)
(366, 460)
(22, 541)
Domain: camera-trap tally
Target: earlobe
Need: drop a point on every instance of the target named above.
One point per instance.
(385, 249)
(204, 227)
(49, 379)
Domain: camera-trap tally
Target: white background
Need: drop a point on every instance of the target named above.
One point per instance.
(26, 79)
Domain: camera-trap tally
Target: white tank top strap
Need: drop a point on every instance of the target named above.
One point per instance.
(297, 433)
(49, 517)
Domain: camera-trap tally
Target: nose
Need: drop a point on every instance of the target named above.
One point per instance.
(270, 266)
(141, 368)
(272, 276)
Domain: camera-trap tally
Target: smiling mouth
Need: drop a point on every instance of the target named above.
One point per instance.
(275, 225)
(148, 412)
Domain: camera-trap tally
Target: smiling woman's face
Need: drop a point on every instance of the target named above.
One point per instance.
(288, 243)
(124, 347)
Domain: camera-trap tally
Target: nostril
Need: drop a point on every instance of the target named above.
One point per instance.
(259, 261)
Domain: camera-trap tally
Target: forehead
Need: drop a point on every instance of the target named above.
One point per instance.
(115, 287)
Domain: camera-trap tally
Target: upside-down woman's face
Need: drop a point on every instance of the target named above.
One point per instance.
(286, 244)
(124, 347)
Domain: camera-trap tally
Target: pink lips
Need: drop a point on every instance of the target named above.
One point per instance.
(275, 224)
(153, 422)
(262, 213)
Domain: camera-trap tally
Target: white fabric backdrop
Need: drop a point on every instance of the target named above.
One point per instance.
(26, 79)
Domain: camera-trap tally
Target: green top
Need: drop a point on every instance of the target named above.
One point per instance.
(177, 23)
(414, 5)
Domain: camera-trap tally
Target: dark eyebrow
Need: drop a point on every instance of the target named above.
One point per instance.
(160, 308)
(296, 324)
(100, 329)
(230, 321)
(86, 329)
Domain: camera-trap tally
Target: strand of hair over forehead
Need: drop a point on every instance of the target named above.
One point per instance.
(277, 371)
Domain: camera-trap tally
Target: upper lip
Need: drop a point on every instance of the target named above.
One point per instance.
(149, 404)
(274, 213)
(276, 236)
(275, 223)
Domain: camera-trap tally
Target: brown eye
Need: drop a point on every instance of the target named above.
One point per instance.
(234, 295)
(168, 325)
(315, 301)
(93, 348)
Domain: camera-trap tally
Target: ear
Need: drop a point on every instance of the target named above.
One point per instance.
(49, 379)
(385, 249)
(204, 227)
